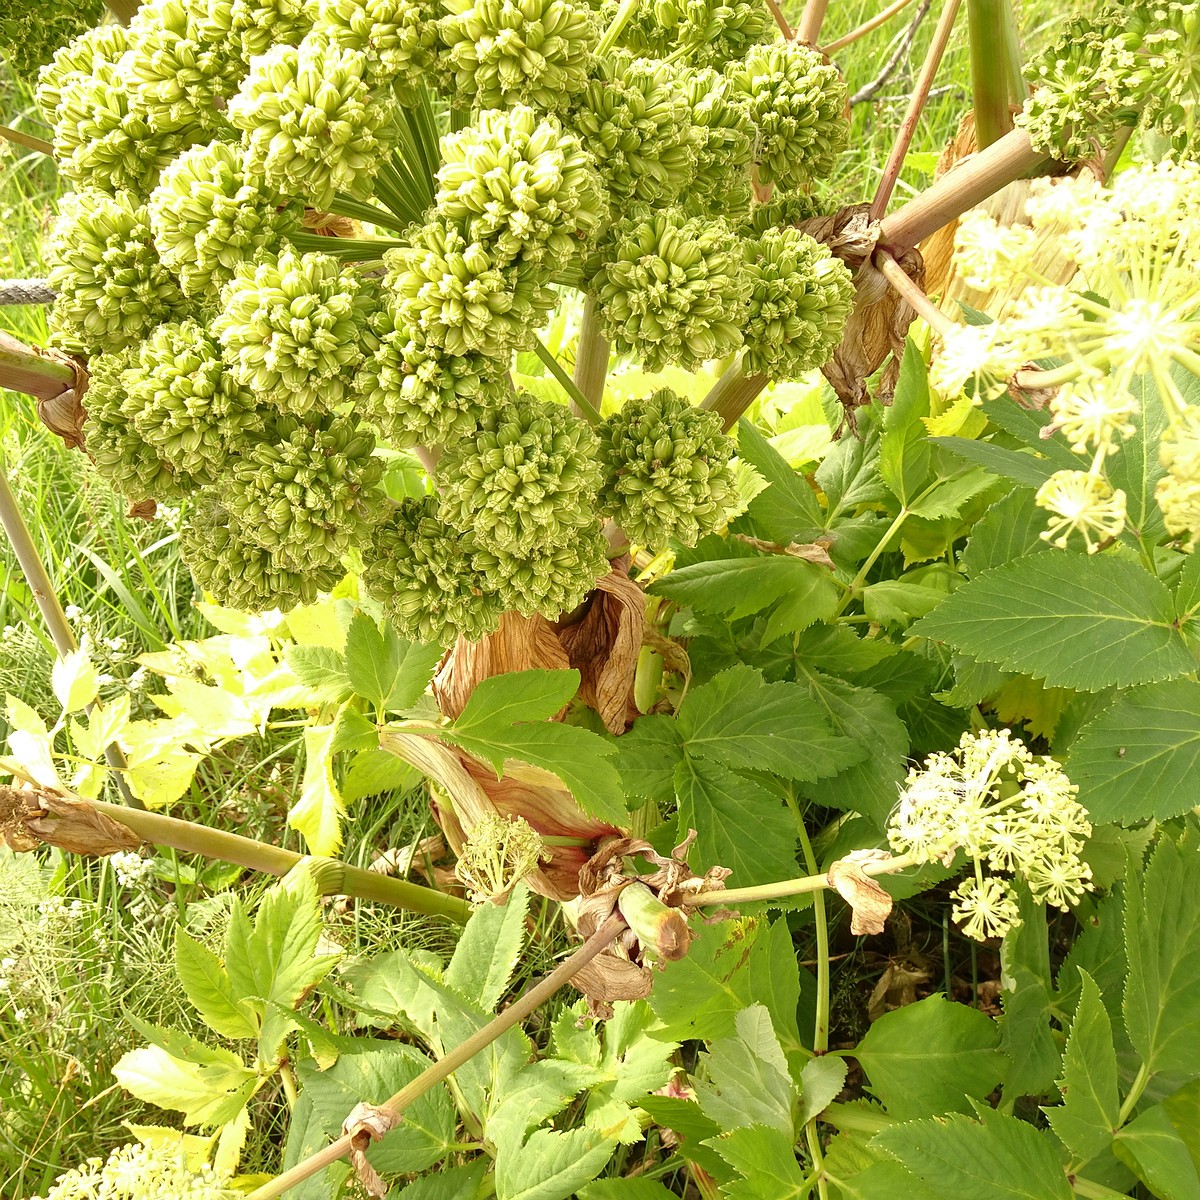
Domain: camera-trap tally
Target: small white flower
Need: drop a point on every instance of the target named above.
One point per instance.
(1081, 502)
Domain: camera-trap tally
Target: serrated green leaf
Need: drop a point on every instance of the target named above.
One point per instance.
(895, 603)
(1150, 1146)
(273, 964)
(743, 585)
(1183, 1107)
(205, 1093)
(849, 474)
(318, 812)
(741, 824)
(1162, 949)
(999, 1158)
(538, 1092)
(446, 1183)
(75, 681)
(374, 772)
(871, 785)
(1027, 425)
(747, 1078)
(322, 670)
(788, 510)
(821, 1082)
(1011, 528)
(578, 757)
(741, 722)
(931, 1057)
(625, 1189)
(647, 756)
(208, 988)
(489, 949)
(764, 1157)
(1187, 594)
(1022, 467)
(552, 1165)
(1074, 620)
(950, 495)
(1090, 1112)
(370, 1072)
(1137, 469)
(1140, 757)
(904, 447)
(383, 668)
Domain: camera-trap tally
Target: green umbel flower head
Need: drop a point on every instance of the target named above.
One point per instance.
(239, 573)
(702, 33)
(104, 44)
(420, 569)
(112, 288)
(673, 290)
(522, 186)
(398, 37)
(291, 329)
(180, 79)
(244, 29)
(666, 470)
(30, 35)
(208, 217)
(304, 492)
(723, 135)
(137, 1172)
(550, 581)
(503, 52)
(450, 292)
(635, 120)
(311, 123)
(185, 404)
(798, 105)
(120, 452)
(525, 481)
(103, 135)
(418, 394)
(800, 297)
(782, 210)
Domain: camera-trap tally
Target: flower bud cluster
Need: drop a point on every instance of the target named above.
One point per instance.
(398, 37)
(1012, 814)
(30, 35)
(666, 470)
(701, 33)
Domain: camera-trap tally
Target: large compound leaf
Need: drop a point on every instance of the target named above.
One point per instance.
(1162, 947)
(960, 1159)
(1140, 758)
(488, 950)
(1151, 1146)
(766, 1161)
(385, 669)
(787, 510)
(747, 1077)
(1073, 620)
(737, 720)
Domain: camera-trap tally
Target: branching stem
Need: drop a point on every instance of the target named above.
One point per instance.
(908, 127)
(793, 887)
(895, 274)
(733, 393)
(587, 409)
(813, 17)
(591, 357)
(443, 1068)
(866, 27)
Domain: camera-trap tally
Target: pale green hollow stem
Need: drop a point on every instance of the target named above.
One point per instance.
(990, 85)
(614, 31)
(587, 409)
(591, 357)
(445, 1067)
(794, 887)
(733, 393)
(334, 878)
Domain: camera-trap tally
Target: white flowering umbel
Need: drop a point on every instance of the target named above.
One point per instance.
(497, 855)
(137, 1172)
(1132, 311)
(1013, 814)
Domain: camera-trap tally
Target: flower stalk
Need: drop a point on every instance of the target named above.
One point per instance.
(733, 393)
(591, 358)
(986, 21)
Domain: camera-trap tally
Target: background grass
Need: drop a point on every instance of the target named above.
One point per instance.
(77, 945)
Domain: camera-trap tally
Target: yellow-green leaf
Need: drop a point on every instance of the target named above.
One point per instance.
(75, 681)
(318, 814)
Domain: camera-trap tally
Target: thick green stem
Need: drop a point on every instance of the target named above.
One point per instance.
(1135, 1094)
(989, 70)
(36, 373)
(1012, 157)
(445, 1067)
(1018, 90)
(617, 26)
(854, 1119)
(821, 1024)
(25, 140)
(38, 578)
(811, 20)
(335, 878)
(591, 357)
(586, 409)
(733, 393)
